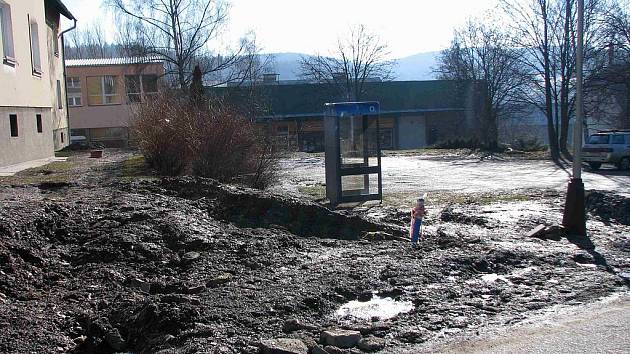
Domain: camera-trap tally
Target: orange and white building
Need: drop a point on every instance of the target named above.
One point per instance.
(102, 94)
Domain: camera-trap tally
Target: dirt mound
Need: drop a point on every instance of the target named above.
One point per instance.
(252, 208)
(608, 206)
(449, 214)
(190, 265)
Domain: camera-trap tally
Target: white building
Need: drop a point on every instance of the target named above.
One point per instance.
(33, 114)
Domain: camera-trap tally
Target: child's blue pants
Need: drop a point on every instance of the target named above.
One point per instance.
(415, 234)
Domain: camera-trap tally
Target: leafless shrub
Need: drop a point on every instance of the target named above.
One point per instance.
(265, 164)
(213, 140)
(222, 143)
(158, 129)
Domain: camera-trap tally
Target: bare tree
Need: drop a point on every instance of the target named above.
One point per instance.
(180, 32)
(357, 59)
(483, 52)
(545, 30)
(129, 40)
(608, 84)
(88, 43)
(617, 29)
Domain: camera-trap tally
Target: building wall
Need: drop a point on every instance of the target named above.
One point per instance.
(97, 121)
(108, 116)
(25, 93)
(398, 131)
(20, 87)
(444, 126)
(29, 144)
(58, 100)
(307, 134)
(411, 132)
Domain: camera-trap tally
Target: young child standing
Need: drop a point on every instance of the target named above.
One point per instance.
(417, 213)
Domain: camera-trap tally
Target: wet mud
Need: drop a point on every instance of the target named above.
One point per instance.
(183, 265)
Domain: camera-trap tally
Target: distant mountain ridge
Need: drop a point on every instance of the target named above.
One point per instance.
(415, 67)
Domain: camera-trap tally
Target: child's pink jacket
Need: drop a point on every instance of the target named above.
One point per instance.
(416, 213)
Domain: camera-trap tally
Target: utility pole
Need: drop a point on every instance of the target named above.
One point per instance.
(574, 219)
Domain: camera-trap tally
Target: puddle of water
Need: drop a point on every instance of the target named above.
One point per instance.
(381, 308)
(587, 265)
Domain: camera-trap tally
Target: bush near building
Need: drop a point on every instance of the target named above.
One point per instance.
(211, 139)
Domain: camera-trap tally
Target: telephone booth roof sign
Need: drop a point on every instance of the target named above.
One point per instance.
(349, 109)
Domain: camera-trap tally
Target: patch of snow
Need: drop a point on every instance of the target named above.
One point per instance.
(381, 308)
(491, 278)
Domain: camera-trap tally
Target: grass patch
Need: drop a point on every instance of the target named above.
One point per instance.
(476, 198)
(136, 167)
(443, 198)
(426, 152)
(53, 173)
(314, 192)
(503, 198)
(469, 153)
(63, 153)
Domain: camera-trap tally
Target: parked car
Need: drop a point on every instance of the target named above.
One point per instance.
(611, 147)
(78, 142)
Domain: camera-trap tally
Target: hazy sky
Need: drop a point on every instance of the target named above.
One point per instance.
(310, 26)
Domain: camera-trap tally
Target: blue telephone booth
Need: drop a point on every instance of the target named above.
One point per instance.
(353, 152)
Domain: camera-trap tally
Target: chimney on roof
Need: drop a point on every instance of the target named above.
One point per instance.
(271, 78)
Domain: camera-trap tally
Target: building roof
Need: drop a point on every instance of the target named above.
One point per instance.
(61, 8)
(307, 100)
(112, 61)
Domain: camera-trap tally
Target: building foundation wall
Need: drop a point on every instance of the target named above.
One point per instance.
(29, 144)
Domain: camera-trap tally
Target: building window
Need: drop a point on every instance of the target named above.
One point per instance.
(387, 139)
(103, 90)
(62, 138)
(74, 99)
(149, 85)
(73, 82)
(73, 85)
(59, 95)
(35, 54)
(38, 118)
(140, 87)
(6, 34)
(13, 122)
(134, 88)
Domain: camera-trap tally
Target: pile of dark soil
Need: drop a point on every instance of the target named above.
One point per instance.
(253, 208)
(609, 207)
(184, 265)
(449, 214)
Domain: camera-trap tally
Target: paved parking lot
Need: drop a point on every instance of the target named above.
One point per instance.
(420, 174)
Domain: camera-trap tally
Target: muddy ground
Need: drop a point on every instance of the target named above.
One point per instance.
(105, 260)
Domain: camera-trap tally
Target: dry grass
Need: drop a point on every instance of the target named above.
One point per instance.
(57, 172)
(136, 167)
(313, 192)
(470, 153)
(442, 198)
